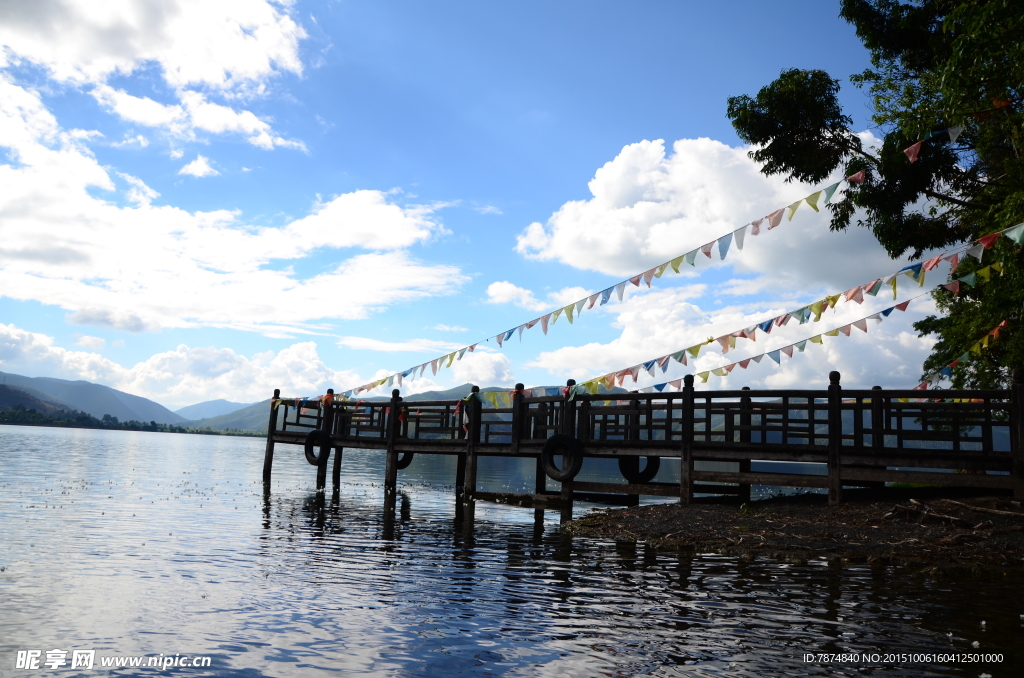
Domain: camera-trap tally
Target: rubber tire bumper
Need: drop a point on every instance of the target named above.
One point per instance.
(629, 467)
(572, 457)
(317, 438)
(405, 460)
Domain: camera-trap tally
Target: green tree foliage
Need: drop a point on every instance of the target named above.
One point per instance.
(936, 64)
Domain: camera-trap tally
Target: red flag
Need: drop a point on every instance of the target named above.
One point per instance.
(857, 178)
(913, 151)
(706, 249)
(989, 240)
(932, 263)
(755, 226)
(774, 219)
(647, 276)
(744, 363)
(953, 287)
(903, 305)
(635, 280)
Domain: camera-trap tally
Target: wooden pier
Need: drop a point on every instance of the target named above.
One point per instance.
(862, 437)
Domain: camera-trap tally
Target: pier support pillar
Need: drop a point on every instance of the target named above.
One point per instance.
(327, 424)
(391, 460)
(835, 438)
(474, 410)
(686, 448)
(268, 456)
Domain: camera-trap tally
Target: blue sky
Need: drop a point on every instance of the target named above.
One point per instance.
(211, 202)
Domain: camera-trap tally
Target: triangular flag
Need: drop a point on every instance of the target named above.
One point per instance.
(861, 324)
(775, 218)
(829, 191)
(703, 377)
(544, 322)
(932, 263)
(774, 355)
(648, 275)
(954, 261)
(739, 233)
(706, 249)
(857, 178)
(649, 366)
(451, 359)
(695, 350)
(619, 289)
(997, 266)
(500, 338)
(977, 251)
(801, 345)
(766, 326)
(812, 200)
(579, 305)
(593, 299)
(791, 210)
(988, 240)
(954, 133)
(723, 245)
(743, 363)
(606, 295)
(635, 280)
(462, 352)
(433, 365)
(970, 280)
(663, 362)
(1016, 234)
(660, 270)
(568, 312)
(873, 287)
(816, 309)
(877, 317)
(554, 315)
(676, 262)
(520, 330)
(953, 287)
(902, 306)
(680, 356)
(719, 372)
(985, 273)
(676, 384)
(533, 322)
(833, 300)
(788, 350)
(855, 294)
(757, 358)
(660, 387)
(509, 333)
(846, 329)
(816, 339)
(690, 257)
(912, 151)
(755, 226)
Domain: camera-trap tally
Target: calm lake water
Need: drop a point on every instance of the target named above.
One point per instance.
(135, 544)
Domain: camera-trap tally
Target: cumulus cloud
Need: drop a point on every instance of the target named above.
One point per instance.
(200, 167)
(649, 206)
(182, 376)
(451, 328)
(85, 341)
(504, 292)
(66, 247)
(484, 368)
(231, 49)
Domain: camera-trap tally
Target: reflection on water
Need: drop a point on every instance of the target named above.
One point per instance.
(142, 543)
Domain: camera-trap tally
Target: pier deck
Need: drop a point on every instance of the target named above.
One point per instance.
(862, 437)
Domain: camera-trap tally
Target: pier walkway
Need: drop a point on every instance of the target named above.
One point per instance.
(861, 437)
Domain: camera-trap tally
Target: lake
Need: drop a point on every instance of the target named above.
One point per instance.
(133, 544)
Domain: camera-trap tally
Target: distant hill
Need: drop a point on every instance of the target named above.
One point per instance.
(210, 408)
(12, 397)
(94, 399)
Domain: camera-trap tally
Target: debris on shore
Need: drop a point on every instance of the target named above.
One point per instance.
(925, 526)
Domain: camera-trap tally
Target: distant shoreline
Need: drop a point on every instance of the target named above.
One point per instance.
(22, 417)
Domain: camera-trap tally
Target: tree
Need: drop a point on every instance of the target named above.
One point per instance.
(936, 65)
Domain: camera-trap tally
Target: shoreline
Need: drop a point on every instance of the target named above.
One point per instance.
(186, 431)
(927, 528)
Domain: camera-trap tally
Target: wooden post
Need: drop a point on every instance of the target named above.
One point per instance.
(835, 438)
(569, 427)
(686, 448)
(745, 421)
(1017, 432)
(519, 419)
(268, 456)
(475, 409)
(391, 461)
(327, 426)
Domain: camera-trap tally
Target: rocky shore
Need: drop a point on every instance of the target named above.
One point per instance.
(927, 527)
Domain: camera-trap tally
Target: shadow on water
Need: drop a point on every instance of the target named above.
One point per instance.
(149, 544)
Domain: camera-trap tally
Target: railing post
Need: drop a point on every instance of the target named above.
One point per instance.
(391, 461)
(569, 427)
(745, 421)
(1017, 432)
(326, 420)
(268, 456)
(686, 448)
(475, 410)
(877, 429)
(519, 420)
(835, 438)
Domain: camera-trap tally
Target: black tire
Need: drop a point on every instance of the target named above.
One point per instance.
(317, 438)
(629, 467)
(405, 460)
(572, 457)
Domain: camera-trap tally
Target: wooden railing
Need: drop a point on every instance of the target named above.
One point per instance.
(862, 437)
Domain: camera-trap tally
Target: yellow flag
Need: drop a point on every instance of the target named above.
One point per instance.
(832, 333)
(661, 270)
(676, 262)
(554, 316)
(818, 306)
(997, 267)
(812, 200)
(832, 300)
(893, 283)
(720, 371)
(815, 339)
(694, 350)
(568, 312)
(791, 210)
(451, 359)
(985, 273)
(703, 377)
(976, 348)
(491, 397)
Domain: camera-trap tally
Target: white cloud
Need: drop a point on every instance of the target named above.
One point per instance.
(451, 328)
(85, 341)
(420, 345)
(229, 49)
(181, 376)
(648, 207)
(504, 292)
(484, 368)
(63, 246)
(200, 167)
